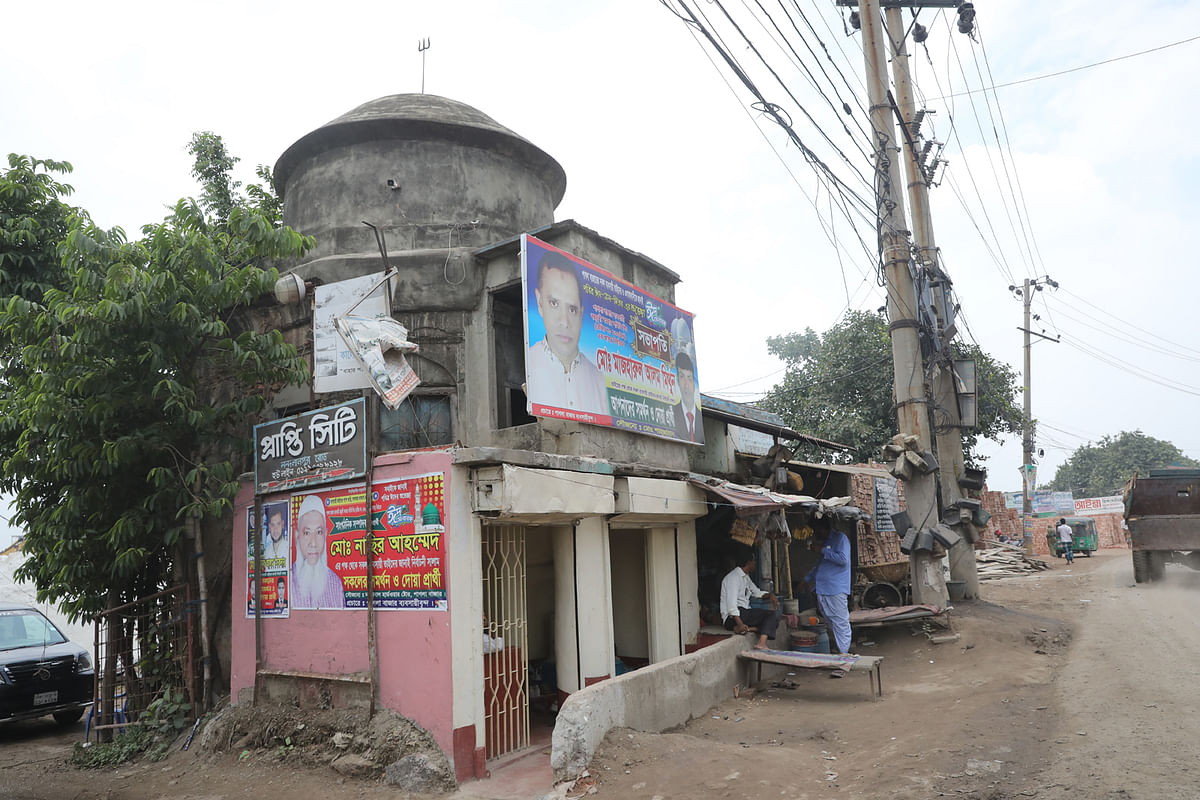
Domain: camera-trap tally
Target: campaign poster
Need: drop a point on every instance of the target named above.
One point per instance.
(408, 552)
(410, 542)
(604, 352)
(273, 532)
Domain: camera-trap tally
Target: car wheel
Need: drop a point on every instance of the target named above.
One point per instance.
(68, 716)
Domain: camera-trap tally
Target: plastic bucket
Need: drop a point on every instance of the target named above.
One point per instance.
(805, 641)
(956, 589)
(822, 637)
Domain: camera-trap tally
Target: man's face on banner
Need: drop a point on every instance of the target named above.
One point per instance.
(311, 543)
(275, 525)
(559, 304)
(686, 379)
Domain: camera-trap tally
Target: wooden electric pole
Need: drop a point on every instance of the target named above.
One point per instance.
(912, 404)
(948, 432)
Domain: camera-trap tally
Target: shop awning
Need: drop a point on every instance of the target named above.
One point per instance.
(751, 500)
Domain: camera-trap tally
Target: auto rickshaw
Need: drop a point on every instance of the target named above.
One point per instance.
(1083, 537)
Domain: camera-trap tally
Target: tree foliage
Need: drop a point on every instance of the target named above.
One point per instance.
(34, 220)
(1101, 469)
(130, 403)
(839, 386)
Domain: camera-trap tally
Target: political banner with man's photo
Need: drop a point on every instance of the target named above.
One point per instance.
(329, 565)
(605, 352)
(276, 559)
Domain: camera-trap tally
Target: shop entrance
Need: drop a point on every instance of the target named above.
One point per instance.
(505, 640)
(631, 633)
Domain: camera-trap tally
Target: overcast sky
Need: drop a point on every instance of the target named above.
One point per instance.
(1088, 176)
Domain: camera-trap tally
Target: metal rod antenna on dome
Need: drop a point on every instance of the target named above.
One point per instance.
(422, 46)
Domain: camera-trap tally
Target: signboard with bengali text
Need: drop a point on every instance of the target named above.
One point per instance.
(310, 449)
(1090, 506)
(605, 352)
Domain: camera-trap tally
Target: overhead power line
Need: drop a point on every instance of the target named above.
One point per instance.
(1075, 69)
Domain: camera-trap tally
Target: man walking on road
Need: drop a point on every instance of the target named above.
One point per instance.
(1064, 536)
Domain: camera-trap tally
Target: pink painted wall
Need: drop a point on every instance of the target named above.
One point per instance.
(415, 667)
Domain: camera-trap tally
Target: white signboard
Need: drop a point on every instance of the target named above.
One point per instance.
(1088, 507)
(335, 368)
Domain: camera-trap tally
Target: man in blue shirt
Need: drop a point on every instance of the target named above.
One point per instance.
(830, 579)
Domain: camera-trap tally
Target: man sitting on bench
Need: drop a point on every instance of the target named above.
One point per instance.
(736, 591)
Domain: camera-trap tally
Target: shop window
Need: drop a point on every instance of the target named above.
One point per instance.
(508, 331)
(422, 420)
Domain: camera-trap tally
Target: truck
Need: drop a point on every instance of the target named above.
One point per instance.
(1162, 513)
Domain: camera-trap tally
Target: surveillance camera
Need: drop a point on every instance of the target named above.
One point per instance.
(393, 184)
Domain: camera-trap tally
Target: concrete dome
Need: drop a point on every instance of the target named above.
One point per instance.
(429, 172)
(417, 117)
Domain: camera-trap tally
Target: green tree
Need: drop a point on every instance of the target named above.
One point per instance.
(130, 412)
(1101, 469)
(34, 220)
(839, 386)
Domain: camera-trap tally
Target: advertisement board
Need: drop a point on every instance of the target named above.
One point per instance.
(276, 559)
(604, 352)
(326, 546)
(1090, 506)
(1045, 503)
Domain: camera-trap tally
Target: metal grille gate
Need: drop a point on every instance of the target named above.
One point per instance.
(143, 649)
(505, 632)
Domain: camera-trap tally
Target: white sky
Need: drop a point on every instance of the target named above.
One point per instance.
(661, 156)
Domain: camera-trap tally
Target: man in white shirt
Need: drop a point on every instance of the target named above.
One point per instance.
(558, 374)
(736, 590)
(1066, 540)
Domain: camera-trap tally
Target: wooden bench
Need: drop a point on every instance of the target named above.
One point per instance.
(803, 660)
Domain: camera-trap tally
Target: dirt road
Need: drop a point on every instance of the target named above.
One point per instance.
(1067, 683)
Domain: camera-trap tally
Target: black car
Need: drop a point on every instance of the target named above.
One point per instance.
(41, 671)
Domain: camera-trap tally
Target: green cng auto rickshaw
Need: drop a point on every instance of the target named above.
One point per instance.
(1083, 536)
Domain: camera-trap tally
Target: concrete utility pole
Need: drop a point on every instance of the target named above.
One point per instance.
(948, 435)
(912, 411)
(1026, 293)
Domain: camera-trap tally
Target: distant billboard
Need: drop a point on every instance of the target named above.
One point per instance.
(1045, 503)
(1090, 506)
(604, 352)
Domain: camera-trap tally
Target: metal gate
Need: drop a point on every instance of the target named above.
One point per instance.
(505, 640)
(143, 651)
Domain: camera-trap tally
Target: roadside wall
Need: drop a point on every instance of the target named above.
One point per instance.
(652, 699)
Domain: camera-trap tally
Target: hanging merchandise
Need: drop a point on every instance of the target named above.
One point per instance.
(743, 532)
